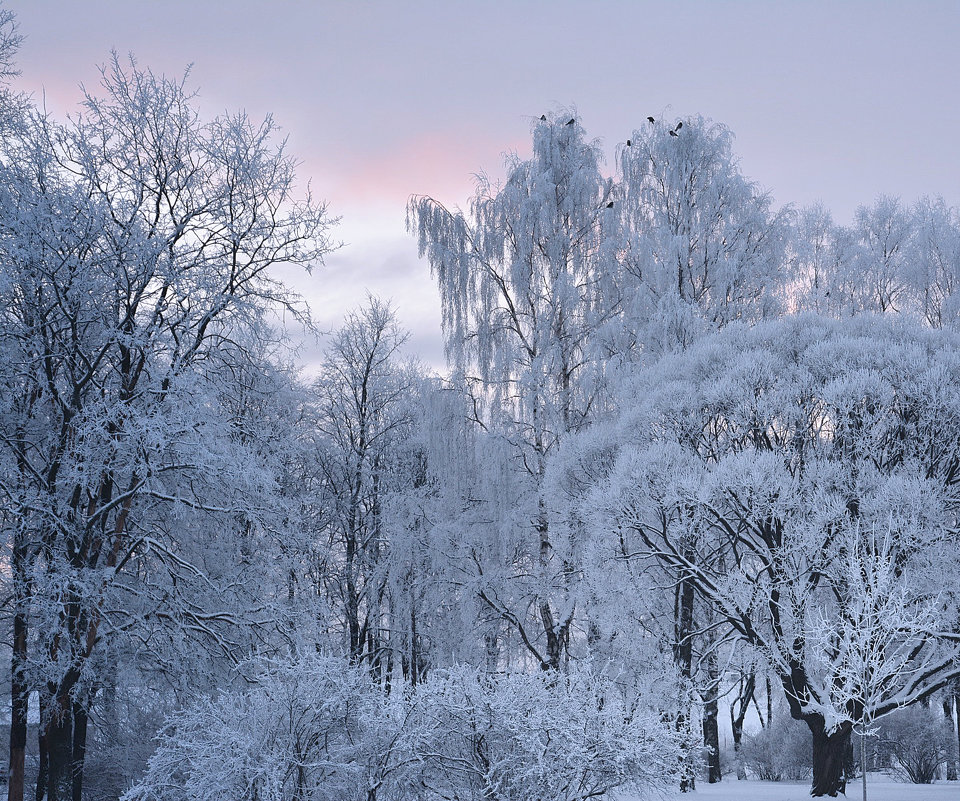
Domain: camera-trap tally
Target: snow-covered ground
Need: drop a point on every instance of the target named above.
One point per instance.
(880, 788)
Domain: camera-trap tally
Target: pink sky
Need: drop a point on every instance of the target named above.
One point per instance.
(831, 101)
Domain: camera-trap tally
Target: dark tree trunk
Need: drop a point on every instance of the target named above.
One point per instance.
(737, 727)
(60, 751)
(829, 757)
(491, 645)
(683, 654)
(19, 699)
(956, 706)
(414, 656)
(19, 687)
(555, 631)
(769, 701)
(41, 788)
(711, 727)
(738, 712)
(711, 737)
(948, 722)
(849, 760)
(79, 748)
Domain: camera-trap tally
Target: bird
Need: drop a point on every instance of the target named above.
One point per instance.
(674, 133)
(629, 143)
(610, 205)
(651, 119)
(543, 118)
(679, 126)
(571, 121)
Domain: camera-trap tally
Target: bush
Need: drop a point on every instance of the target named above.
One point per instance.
(296, 734)
(917, 740)
(319, 730)
(521, 736)
(780, 752)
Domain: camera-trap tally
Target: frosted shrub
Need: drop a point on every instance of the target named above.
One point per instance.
(547, 736)
(916, 739)
(779, 752)
(315, 730)
(320, 730)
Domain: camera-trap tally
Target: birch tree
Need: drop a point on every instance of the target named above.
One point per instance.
(701, 242)
(528, 284)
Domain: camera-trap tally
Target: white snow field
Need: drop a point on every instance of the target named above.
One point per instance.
(880, 789)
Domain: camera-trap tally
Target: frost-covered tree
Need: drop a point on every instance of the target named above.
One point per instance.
(802, 476)
(136, 245)
(823, 279)
(701, 242)
(364, 414)
(528, 285)
(893, 259)
(473, 529)
(568, 737)
(211, 585)
(933, 262)
(883, 233)
(703, 248)
(813, 249)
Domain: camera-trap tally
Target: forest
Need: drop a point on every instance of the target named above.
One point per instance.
(694, 463)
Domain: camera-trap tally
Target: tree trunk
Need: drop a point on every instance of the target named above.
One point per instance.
(491, 645)
(948, 722)
(737, 727)
(711, 737)
(59, 733)
(738, 712)
(414, 660)
(19, 687)
(554, 638)
(711, 726)
(850, 760)
(683, 654)
(19, 700)
(956, 706)
(41, 788)
(80, 718)
(829, 757)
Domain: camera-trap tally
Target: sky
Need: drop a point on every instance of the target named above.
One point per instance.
(829, 101)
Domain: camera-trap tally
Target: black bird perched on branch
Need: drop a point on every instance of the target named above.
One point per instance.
(679, 126)
(543, 118)
(571, 121)
(650, 119)
(629, 143)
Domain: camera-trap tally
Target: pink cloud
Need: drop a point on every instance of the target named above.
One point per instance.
(439, 164)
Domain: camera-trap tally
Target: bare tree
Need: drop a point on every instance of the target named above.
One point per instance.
(137, 242)
(365, 405)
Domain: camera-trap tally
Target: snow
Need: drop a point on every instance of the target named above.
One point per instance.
(881, 788)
